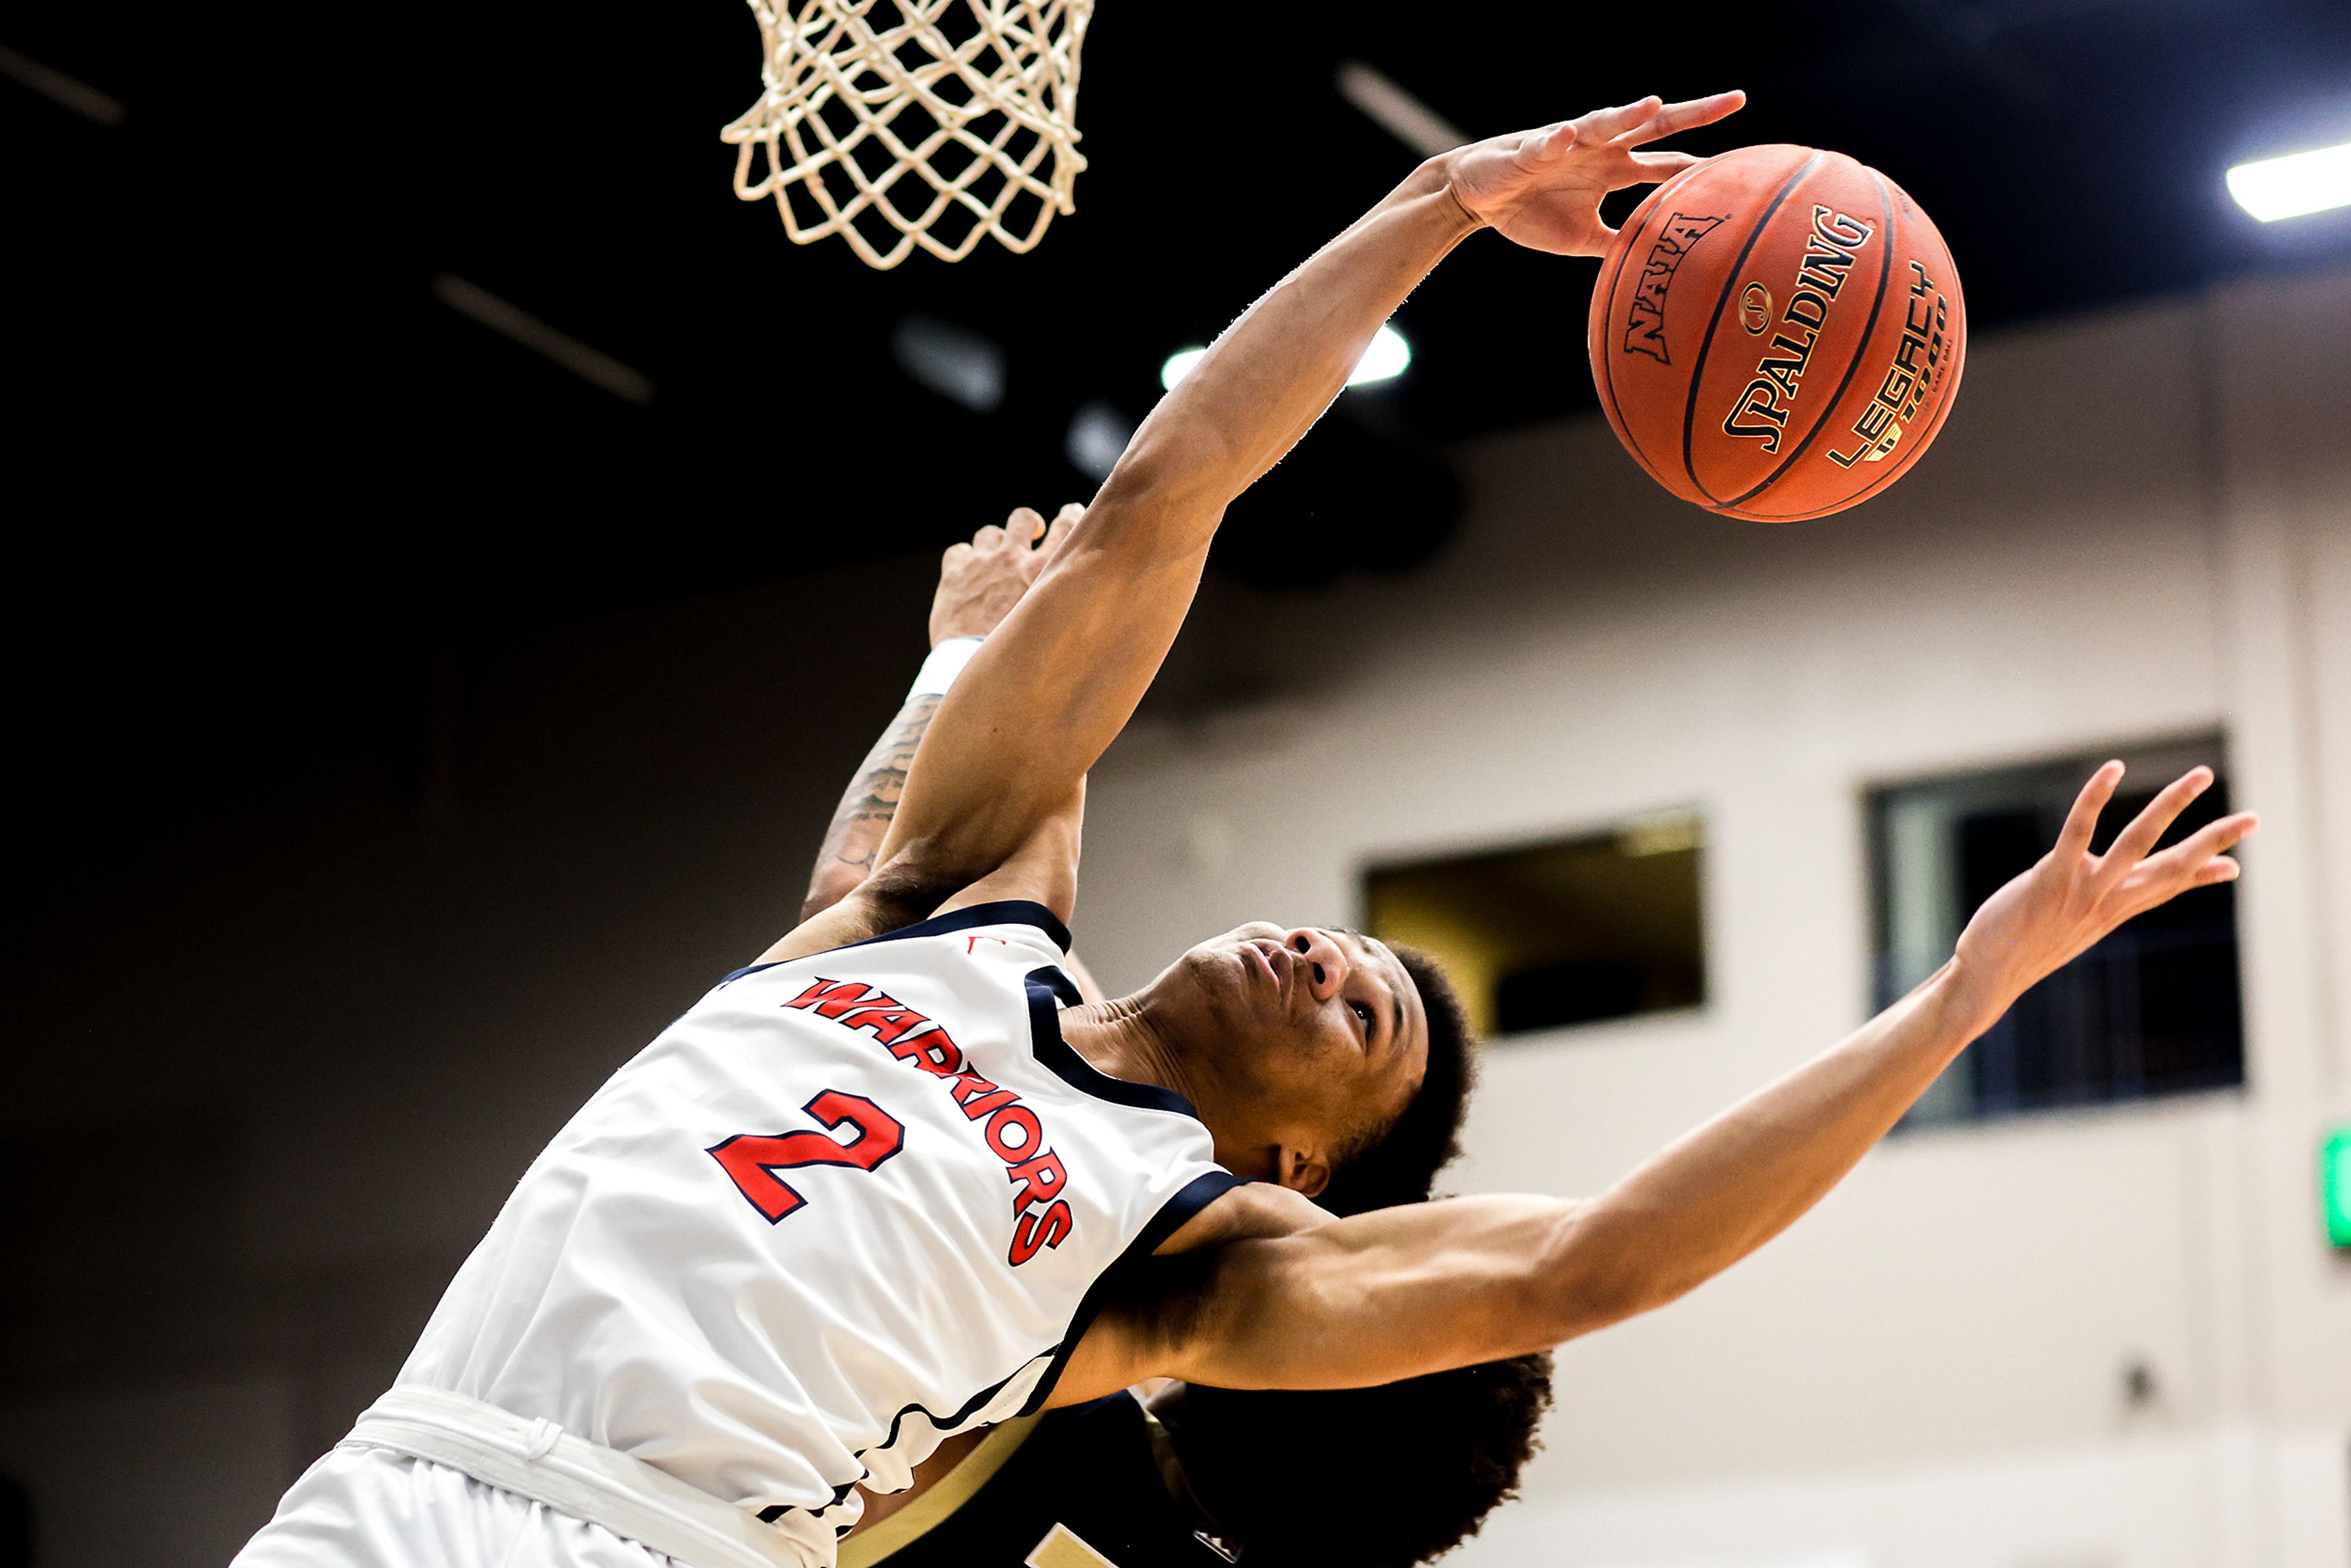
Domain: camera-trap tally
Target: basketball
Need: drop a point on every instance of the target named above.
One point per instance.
(1777, 333)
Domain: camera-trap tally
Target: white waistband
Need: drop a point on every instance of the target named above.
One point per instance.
(540, 1461)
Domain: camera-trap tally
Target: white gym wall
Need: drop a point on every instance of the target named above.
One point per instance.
(2136, 526)
(337, 1046)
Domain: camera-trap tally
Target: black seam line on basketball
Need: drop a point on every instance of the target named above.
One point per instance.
(1186, 1201)
(1894, 470)
(1608, 315)
(1706, 344)
(1852, 368)
(1934, 425)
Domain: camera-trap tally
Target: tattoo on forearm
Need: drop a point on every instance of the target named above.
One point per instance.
(863, 818)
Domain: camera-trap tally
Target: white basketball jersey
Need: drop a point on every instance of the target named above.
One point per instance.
(846, 1205)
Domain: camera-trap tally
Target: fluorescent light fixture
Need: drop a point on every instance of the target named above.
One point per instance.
(80, 97)
(1386, 356)
(1098, 434)
(1179, 365)
(962, 367)
(503, 317)
(2289, 187)
(1396, 112)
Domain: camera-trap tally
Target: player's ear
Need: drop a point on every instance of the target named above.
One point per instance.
(1302, 1171)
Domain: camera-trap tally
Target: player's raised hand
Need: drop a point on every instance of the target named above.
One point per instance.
(1542, 188)
(981, 581)
(2051, 914)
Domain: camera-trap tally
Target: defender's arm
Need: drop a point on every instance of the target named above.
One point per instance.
(1401, 1291)
(979, 585)
(1061, 676)
(1429, 1286)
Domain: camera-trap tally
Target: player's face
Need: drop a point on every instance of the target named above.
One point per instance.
(1320, 1032)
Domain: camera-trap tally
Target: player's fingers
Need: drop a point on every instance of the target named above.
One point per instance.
(1687, 115)
(1602, 124)
(1654, 166)
(1024, 519)
(2219, 869)
(2132, 844)
(1063, 521)
(1550, 142)
(2074, 841)
(954, 555)
(2211, 839)
(991, 537)
(2160, 881)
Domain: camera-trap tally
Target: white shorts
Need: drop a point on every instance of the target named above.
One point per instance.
(371, 1508)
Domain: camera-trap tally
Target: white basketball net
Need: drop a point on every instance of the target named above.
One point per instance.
(897, 123)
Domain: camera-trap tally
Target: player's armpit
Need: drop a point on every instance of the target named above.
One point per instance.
(1246, 1212)
(880, 904)
(1358, 1302)
(1043, 870)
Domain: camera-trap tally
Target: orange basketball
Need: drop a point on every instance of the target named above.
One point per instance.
(1777, 333)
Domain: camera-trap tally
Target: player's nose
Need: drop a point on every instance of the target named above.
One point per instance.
(1326, 961)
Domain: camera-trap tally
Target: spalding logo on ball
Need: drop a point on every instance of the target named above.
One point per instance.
(1777, 333)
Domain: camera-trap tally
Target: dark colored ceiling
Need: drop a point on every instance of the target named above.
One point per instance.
(246, 443)
(222, 304)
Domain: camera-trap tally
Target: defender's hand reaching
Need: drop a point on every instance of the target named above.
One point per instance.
(981, 581)
(1542, 188)
(2051, 914)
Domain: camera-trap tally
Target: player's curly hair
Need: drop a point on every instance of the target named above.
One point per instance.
(1424, 1459)
(1399, 1163)
(1364, 1478)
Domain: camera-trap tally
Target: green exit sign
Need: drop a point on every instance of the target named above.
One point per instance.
(2334, 1187)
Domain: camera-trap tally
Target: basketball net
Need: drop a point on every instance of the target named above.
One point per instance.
(897, 123)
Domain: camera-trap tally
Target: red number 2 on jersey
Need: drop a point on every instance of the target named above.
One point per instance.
(752, 1160)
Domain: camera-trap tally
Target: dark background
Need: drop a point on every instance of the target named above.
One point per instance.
(264, 478)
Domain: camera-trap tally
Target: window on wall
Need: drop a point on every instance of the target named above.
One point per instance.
(2151, 1010)
(1604, 926)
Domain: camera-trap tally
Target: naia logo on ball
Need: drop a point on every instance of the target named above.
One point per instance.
(1645, 333)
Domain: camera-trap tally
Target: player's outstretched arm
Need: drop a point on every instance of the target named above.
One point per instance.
(979, 585)
(1057, 681)
(1429, 1286)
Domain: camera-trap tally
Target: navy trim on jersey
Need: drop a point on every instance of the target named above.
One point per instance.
(1004, 912)
(1049, 990)
(947, 1423)
(1196, 1195)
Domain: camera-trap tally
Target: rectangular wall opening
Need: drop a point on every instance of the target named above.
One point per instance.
(1547, 936)
(2152, 1010)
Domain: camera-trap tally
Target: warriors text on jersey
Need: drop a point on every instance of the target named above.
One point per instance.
(846, 1205)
